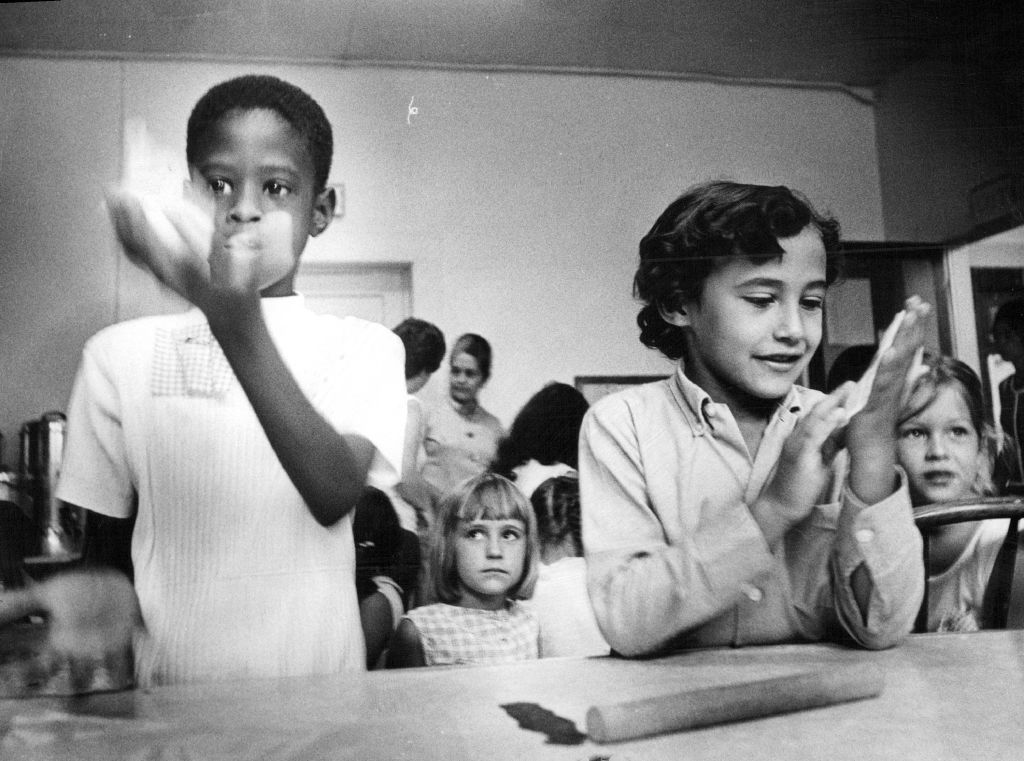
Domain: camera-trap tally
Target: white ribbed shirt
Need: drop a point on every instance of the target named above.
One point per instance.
(235, 577)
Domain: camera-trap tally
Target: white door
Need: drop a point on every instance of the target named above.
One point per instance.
(381, 292)
(998, 258)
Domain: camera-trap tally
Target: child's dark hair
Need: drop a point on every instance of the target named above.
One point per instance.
(938, 372)
(484, 497)
(850, 365)
(253, 92)
(557, 505)
(424, 346)
(377, 535)
(547, 429)
(1011, 314)
(476, 347)
(701, 230)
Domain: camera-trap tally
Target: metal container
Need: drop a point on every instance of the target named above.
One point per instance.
(60, 528)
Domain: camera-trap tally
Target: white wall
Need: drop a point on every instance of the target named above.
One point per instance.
(518, 198)
(59, 136)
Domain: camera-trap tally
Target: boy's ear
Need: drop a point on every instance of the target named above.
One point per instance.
(677, 317)
(323, 210)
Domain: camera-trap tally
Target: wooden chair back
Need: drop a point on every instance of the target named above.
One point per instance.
(1003, 604)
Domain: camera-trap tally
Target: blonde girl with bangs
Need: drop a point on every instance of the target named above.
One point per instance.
(482, 561)
(947, 449)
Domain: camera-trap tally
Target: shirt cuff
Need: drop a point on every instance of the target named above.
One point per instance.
(879, 535)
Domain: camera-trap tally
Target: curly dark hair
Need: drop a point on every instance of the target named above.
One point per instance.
(703, 228)
(253, 92)
(546, 429)
(424, 346)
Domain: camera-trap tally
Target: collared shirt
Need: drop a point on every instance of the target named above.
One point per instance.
(676, 559)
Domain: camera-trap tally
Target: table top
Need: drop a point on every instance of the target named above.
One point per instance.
(946, 696)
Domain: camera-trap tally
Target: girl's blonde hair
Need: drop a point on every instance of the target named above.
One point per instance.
(938, 372)
(484, 497)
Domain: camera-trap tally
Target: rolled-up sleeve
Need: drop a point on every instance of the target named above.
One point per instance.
(653, 577)
(884, 540)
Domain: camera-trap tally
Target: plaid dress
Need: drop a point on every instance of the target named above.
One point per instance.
(454, 635)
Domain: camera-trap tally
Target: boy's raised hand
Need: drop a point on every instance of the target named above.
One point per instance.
(871, 433)
(803, 468)
(174, 239)
(170, 238)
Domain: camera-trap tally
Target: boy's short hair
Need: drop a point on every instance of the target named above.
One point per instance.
(1011, 314)
(546, 429)
(424, 346)
(257, 91)
(484, 497)
(478, 348)
(701, 230)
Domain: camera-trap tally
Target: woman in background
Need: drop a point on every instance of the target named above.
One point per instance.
(462, 437)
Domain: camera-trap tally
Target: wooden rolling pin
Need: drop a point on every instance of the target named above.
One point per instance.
(703, 706)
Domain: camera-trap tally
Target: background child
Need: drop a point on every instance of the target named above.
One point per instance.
(241, 432)
(1008, 336)
(567, 623)
(387, 565)
(946, 448)
(711, 511)
(483, 559)
(414, 499)
(543, 441)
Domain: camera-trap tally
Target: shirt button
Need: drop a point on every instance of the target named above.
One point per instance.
(753, 594)
(865, 535)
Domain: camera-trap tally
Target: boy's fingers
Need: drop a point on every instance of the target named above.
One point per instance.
(897, 361)
(194, 227)
(234, 266)
(825, 417)
(126, 215)
(911, 332)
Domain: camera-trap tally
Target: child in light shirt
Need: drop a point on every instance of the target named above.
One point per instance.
(483, 562)
(242, 432)
(560, 599)
(947, 450)
(712, 514)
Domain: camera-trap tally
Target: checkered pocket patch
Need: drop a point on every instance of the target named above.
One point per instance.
(188, 361)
